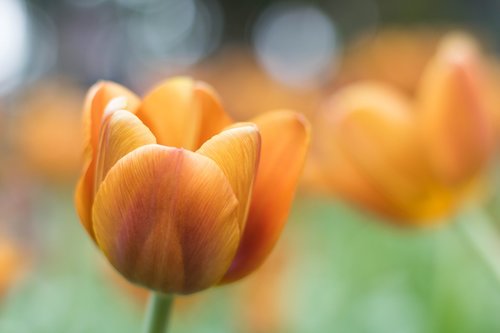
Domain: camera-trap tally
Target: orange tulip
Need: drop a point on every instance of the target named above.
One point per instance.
(12, 264)
(456, 113)
(178, 197)
(413, 161)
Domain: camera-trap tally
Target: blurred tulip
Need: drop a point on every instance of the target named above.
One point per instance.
(47, 130)
(12, 265)
(170, 190)
(493, 88)
(370, 153)
(398, 56)
(456, 114)
(413, 161)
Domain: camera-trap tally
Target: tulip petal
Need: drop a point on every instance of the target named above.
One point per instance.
(366, 129)
(372, 156)
(166, 218)
(364, 122)
(172, 114)
(213, 116)
(285, 140)
(343, 177)
(236, 151)
(96, 102)
(122, 133)
(183, 113)
(457, 121)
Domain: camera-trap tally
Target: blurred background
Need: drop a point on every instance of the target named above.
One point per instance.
(335, 269)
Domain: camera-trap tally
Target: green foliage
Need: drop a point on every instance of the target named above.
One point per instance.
(345, 273)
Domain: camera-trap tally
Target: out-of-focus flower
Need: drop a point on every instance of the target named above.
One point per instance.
(493, 88)
(398, 56)
(12, 264)
(414, 161)
(457, 116)
(47, 132)
(170, 190)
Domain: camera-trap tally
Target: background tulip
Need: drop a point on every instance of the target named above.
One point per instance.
(414, 161)
(456, 114)
(364, 163)
(13, 263)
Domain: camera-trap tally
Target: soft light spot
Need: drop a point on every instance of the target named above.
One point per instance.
(295, 43)
(14, 36)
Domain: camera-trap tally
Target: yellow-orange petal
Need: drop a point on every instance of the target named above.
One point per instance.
(236, 151)
(457, 122)
(213, 116)
(344, 178)
(96, 102)
(166, 218)
(171, 112)
(122, 133)
(371, 154)
(183, 113)
(367, 129)
(83, 202)
(285, 140)
(370, 148)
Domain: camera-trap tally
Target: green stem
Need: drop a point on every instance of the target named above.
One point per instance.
(482, 236)
(158, 313)
(438, 278)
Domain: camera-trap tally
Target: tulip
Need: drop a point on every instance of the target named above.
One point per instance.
(413, 161)
(12, 264)
(370, 154)
(177, 196)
